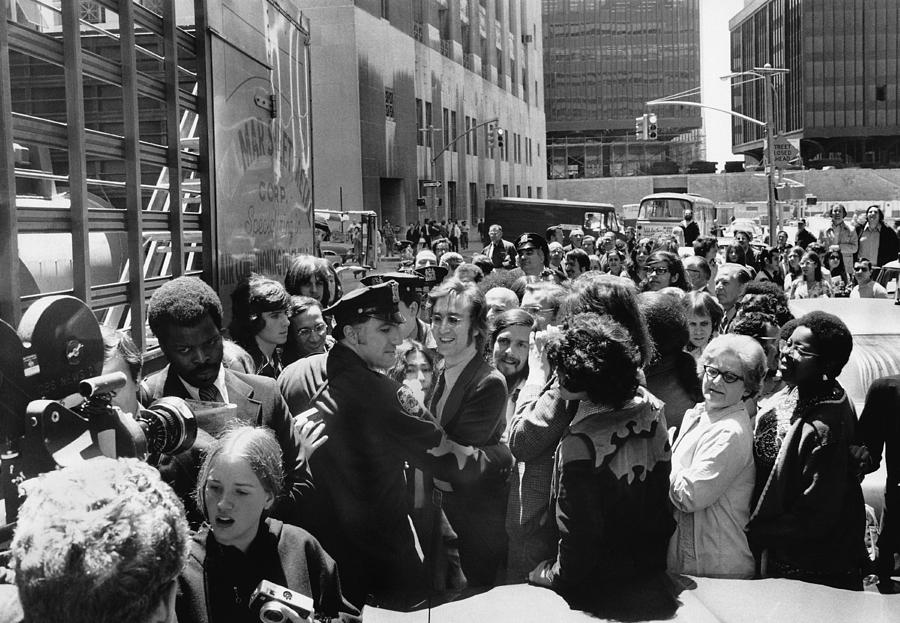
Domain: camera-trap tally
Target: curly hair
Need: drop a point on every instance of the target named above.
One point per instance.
(831, 338)
(101, 541)
(668, 328)
(596, 355)
(749, 353)
(255, 444)
(185, 302)
(767, 297)
(615, 296)
(253, 296)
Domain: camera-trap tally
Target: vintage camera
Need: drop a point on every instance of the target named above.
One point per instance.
(57, 406)
(276, 604)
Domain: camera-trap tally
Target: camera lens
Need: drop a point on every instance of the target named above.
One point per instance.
(169, 426)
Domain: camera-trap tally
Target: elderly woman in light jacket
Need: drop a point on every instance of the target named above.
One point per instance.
(713, 473)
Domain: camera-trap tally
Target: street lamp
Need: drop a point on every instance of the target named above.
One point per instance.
(767, 72)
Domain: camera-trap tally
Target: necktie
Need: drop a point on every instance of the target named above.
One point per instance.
(210, 394)
(438, 392)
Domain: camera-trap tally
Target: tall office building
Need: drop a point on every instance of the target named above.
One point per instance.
(603, 59)
(840, 97)
(405, 95)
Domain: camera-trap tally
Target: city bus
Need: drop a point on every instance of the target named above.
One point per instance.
(660, 212)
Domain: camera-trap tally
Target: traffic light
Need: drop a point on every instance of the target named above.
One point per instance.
(501, 134)
(492, 136)
(652, 128)
(640, 128)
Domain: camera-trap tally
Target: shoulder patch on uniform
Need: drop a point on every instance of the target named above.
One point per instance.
(408, 401)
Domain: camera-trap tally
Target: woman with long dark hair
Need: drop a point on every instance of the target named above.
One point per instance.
(840, 280)
(260, 323)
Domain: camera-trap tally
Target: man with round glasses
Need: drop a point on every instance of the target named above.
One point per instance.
(866, 287)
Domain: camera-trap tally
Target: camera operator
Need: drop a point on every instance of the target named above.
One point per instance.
(185, 314)
(102, 541)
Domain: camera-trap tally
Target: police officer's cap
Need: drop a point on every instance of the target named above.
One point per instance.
(376, 301)
(433, 275)
(406, 281)
(531, 240)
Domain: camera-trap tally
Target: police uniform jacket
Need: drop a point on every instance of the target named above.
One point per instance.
(374, 425)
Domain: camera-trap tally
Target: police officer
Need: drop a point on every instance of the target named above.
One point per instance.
(410, 289)
(534, 260)
(374, 425)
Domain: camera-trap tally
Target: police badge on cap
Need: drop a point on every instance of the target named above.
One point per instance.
(376, 301)
(433, 275)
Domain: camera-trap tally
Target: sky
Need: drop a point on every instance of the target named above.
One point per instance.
(715, 55)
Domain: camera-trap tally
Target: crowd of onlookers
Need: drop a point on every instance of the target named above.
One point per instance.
(584, 412)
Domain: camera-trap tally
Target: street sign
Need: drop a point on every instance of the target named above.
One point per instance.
(783, 152)
(436, 184)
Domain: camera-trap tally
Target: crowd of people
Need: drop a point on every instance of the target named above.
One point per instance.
(587, 414)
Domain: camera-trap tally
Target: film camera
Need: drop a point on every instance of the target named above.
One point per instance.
(277, 604)
(56, 407)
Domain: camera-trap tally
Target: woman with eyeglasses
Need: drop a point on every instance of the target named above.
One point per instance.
(808, 519)
(662, 270)
(260, 323)
(810, 284)
(712, 465)
(308, 334)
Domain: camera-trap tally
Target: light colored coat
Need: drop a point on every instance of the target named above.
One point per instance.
(712, 481)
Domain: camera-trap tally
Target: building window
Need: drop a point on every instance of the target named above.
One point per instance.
(518, 191)
(453, 130)
(474, 137)
(446, 128)
(420, 133)
(540, 192)
(429, 121)
(489, 191)
(468, 135)
(529, 192)
(389, 103)
(506, 190)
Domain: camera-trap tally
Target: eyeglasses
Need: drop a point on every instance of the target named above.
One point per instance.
(729, 377)
(863, 269)
(306, 332)
(452, 320)
(656, 269)
(535, 310)
(787, 348)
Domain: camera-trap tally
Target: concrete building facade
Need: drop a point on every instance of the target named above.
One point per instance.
(841, 95)
(394, 83)
(603, 60)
